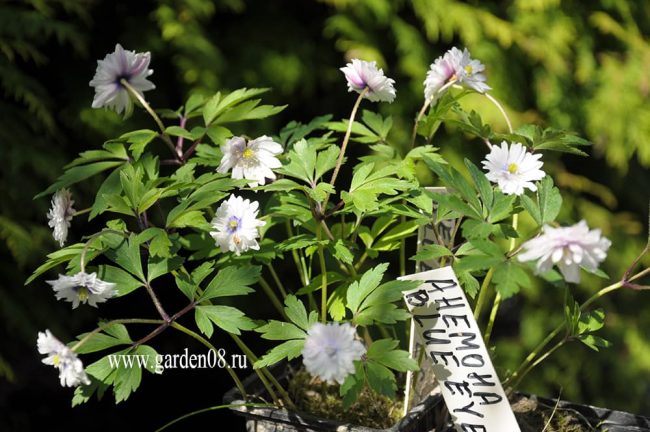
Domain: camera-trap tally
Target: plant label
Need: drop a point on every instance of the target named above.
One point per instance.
(446, 328)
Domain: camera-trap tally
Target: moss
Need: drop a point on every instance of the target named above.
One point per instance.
(534, 417)
(320, 399)
(323, 400)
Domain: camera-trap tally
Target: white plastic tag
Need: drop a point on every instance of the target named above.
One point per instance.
(446, 327)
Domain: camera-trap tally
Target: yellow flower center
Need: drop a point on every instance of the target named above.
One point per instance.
(233, 224)
(469, 70)
(83, 293)
(248, 153)
(512, 168)
(56, 360)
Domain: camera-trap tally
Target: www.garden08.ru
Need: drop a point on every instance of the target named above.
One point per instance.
(160, 362)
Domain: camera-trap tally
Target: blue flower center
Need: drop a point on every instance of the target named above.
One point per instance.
(233, 224)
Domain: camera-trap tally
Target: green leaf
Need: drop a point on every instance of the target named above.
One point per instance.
(381, 379)
(326, 160)
(367, 185)
(127, 255)
(232, 281)
(359, 290)
(383, 351)
(352, 386)
(502, 207)
(158, 266)
(139, 140)
(278, 330)
(431, 251)
(101, 341)
(228, 318)
(77, 174)
(216, 105)
(509, 278)
(178, 131)
(296, 312)
(342, 253)
(594, 342)
(286, 350)
(124, 282)
(532, 208)
(469, 283)
(110, 186)
(482, 183)
(550, 200)
(189, 218)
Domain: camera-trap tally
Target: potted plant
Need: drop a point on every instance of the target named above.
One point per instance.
(216, 213)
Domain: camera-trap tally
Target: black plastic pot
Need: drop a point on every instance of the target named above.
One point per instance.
(421, 418)
(601, 419)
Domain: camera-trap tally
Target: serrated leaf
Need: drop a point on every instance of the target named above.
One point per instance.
(228, 318)
(431, 251)
(232, 281)
(286, 350)
(509, 278)
(296, 312)
(550, 200)
(124, 282)
(78, 173)
(278, 330)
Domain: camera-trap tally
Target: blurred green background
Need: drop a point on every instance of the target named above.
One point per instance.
(582, 66)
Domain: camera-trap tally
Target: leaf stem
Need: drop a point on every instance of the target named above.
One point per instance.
(205, 342)
(277, 281)
(271, 295)
(426, 105)
(153, 114)
(263, 374)
(482, 295)
(323, 270)
(344, 145)
(104, 326)
(500, 107)
(497, 298)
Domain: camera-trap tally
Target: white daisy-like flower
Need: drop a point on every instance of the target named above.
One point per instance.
(71, 369)
(455, 66)
(121, 64)
(254, 160)
(443, 70)
(567, 247)
(82, 288)
(513, 168)
(60, 215)
(471, 74)
(236, 225)
(362, 74)
(330, 351)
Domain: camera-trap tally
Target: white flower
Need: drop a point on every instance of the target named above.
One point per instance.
(330, 351)
(236, 225)
(568, 247)
(455, 66)
(470, 74)
(513, 168)
(121, 64)
(442, 71)
(60, 215)
(82, 288)
(362, 74)
(71, 369)
(253, 160)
